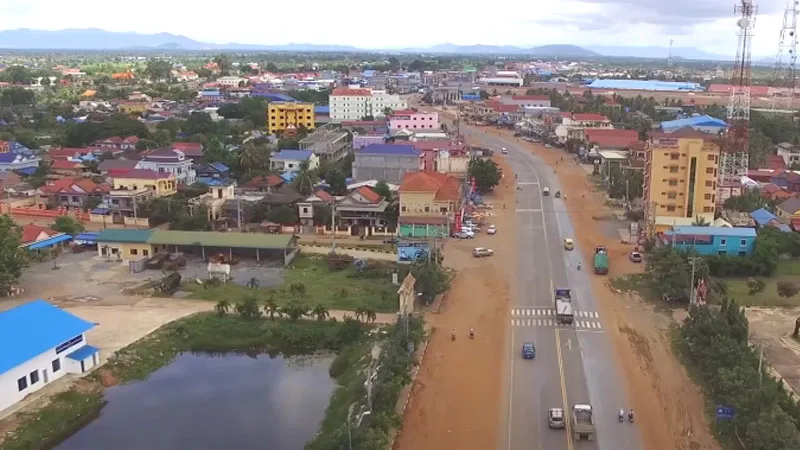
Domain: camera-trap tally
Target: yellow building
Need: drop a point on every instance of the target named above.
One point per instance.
(282, 114)
(428, 195)
(162, 184)
(680, 180)
(132, 107)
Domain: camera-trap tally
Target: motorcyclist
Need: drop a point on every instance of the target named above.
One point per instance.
(471, 333)
(621, 414)
(630, 415)
(579, 266)
(453, 334)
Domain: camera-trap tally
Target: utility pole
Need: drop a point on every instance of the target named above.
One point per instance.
(349, 422)
(239, 214)
(760, 364)
(333, 226)
(692, 261)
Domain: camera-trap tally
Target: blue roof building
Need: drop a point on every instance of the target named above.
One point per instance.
(764, 218)
(290, 160)
(733, 241)
(703, 123)
(322, 110)
(646, 85)
(40, 343)
(387, 162)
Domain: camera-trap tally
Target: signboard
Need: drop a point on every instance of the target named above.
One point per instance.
(409, 252)
(725, 412)
(667, 142)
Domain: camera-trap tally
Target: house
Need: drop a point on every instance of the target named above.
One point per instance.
(169, 161)
(132, 107)
(526, 101)
(54, 345)
(66, 167)
(281, 115)
(774, 192)
(15, 156)
(263, 183)
(788, 153)
(190, 149)
(328, 142)
(290, 160)
(702, 123)
(117, 143)
(74, 192)
(387, 162)
(610, 139)
(786, 179)
(32, 233)
(789, 210)
(764, 218)
(211, 171)
(731, 241)
(428, 203)
(134, 187)
(113, 167)
(361, 211)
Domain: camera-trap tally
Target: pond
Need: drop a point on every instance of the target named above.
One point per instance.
(204, 402)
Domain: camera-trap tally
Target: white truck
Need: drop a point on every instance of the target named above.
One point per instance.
(563, 303)
(583, 422)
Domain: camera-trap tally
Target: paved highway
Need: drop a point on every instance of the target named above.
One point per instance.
(574, 364)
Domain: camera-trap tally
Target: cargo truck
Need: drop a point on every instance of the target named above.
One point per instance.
(563, 300)
(600, 260)
(583, 422)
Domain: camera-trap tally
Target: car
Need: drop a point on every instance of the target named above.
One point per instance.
(492, 229)
(636, 257)
(464, 234)
(555, 418)
(528, 350)
(568, 244)
(481, 252)
(504, 151)
(548, 146)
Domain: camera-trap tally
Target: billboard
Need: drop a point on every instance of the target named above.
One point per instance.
(408, 252)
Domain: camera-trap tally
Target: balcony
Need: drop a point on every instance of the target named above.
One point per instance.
(139, 194)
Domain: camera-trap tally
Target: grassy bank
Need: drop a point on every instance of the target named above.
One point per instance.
(787, 270)
(204, 332)
(344, 289)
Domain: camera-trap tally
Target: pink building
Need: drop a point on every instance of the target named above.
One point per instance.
(413, 120)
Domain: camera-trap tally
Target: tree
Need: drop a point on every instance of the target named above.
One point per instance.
(700, 222)
(755, 285)
(222, 307)
(67, 224)
(158, 69)
(271, 308)
(13, 260)
(294, 310)
(320, 312)
(284, 215)
(305, 180)
(248, 309)
(322, 214)
(337, 182)
(382, 188)
(787, 289)
(486, 173)
(224, 63)
(254, 157)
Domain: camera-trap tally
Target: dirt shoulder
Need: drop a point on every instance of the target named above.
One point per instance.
(456, 400)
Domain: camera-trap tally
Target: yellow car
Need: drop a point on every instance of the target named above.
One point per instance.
(568, 244)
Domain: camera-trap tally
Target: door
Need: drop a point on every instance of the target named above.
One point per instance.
(45, 376)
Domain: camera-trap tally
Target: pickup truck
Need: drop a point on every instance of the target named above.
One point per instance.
(583, 422)
(563, 304)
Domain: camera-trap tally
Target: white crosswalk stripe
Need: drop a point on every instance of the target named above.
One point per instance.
(528, 312)
(550, 323)
(545, 317)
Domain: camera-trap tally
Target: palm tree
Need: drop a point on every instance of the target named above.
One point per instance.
(253, 157)
(271, 308)
(360, 313)
(294, 310)
(222, 307)
(252, 283)
(320, 312)
(370, 315)
(305, 180)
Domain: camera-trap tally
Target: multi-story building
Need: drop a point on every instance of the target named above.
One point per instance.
(413, 120)
(428, 204)
(283, 114)
(355, 104)
(387, 162)
(328, 142)
(167, 160)
(135, 187)
(680, 180)
(526, 101)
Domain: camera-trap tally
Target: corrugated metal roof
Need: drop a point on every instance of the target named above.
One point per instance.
(125, 236)
(389, 149)
(31, 329)
(645, 85)
(83, 353)
(221, 240)
(696, 121)
(713, 231)
(292, 155)
(44, 243)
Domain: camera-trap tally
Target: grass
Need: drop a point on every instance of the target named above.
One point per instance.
(788, 270)
(345, 289)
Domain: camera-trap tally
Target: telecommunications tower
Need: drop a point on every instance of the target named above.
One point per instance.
(733, 157)
(784, 77)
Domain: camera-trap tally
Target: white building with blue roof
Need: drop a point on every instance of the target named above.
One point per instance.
(40, 343)
(290, 160)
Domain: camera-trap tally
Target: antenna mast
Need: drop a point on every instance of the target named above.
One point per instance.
(784, 77)
(733, 157)
(669, 57)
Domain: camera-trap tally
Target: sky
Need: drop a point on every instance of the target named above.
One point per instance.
(709, 25)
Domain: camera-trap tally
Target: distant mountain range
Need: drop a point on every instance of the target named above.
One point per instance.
(97, 39)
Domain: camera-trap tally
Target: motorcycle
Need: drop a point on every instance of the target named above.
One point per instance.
(453, 336)
(471, 334)
(621, 416)
(630, 416)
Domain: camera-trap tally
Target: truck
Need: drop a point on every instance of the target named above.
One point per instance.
(600, 260)
(563, 301)
(583, 422)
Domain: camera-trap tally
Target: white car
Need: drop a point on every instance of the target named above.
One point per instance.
(464, 234)
(480, 252)
(504, 151)
(492, 229)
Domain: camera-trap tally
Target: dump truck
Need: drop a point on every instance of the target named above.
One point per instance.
(563, 303)
(583, 422)
(600, 260)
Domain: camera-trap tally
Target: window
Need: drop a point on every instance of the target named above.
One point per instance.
(134, 251)
(56, 365)
(672, 195)
(670, 207)
(443, 209)
(34, 377)
(427, 209)
(710, 170)
(673, 182)
(743, 243)
(402, 209)
(707, 196)
(674, 156)
(145, 252)
(673, 169)
(22, 383)
(712, 157)
(709, 183)
(723, 242)
(708, 209)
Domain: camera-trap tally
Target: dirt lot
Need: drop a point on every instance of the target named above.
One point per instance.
(456, 402)
(772, 328)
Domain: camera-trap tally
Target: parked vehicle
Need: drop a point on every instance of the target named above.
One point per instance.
(463, 234)
(481, 252)
(558, 194)
(492, 229)
(555, 418)
(563, 304)
(636, 257)
(583, 422)
(528, 350)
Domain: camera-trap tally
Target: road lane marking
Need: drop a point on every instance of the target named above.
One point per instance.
(511, 390)
(528, 183)
(568, 425)
(530, 210)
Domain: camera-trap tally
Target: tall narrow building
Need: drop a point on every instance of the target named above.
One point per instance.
(680, 179)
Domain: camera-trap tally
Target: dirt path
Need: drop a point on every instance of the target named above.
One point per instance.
(457, 397)
(656, 381)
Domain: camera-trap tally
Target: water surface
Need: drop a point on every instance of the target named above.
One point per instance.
(203, 402)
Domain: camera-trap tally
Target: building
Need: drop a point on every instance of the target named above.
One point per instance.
(573, 126)
(74, 192)
(327, 142)
(428, 203)
(167, 160)
(732, 241)
(15, 156)
(283, 114)
(789, 153)
(526, 101)
(680, 180)
(355, 104)
(135, 187)
(117, 143)
(362, 211)
(54, 345)
(231, 82)
(704, 123)
(610, 139)
(764, 218)
(646, 85)
(413, 120)
(387, 162)
(789, 210)
(290, 160)
(514, 81)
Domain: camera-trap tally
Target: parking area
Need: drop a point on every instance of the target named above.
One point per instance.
(772, 328)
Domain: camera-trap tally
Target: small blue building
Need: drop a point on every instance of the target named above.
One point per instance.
(712, 240)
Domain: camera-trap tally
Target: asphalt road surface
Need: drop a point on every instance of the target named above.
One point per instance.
(574, 364)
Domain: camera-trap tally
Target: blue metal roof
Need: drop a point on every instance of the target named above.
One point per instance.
(83, 353)
(49, 242)
(292, 155)
(389, 149)
(87, 236)
(212, 182)
(27, 171)
(368, 73)
(322, 110)
(714, 231)
(31, 329)
(764, 218)
(646, 85)
(696, 121)
(220, 167)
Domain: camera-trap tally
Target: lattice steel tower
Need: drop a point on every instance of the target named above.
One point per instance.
(733, 157)
(784, 77)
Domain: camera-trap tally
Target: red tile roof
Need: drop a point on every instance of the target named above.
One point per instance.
(64, 164)
(589, 117)
(31, 231)
(67, 152)
(324, 195)
(611, 138)
(144, 174)
(534, 98)
(369, 194)
(726, 89)
(445, 187)
(74, 185)
(406, 112)
(776, 162)
(771, 188)
(506, 108)
(351, 92)
(187, 146)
